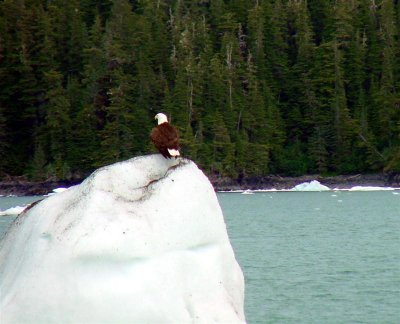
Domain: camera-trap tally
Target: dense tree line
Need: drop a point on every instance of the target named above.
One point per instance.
(255, 87)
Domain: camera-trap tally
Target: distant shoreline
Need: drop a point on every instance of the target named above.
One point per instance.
(17, 187)
(22, 187)
(282, 183)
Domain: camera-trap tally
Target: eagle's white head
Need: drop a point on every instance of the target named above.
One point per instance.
(161, 118)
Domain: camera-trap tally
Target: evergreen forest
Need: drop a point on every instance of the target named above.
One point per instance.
(255, 87)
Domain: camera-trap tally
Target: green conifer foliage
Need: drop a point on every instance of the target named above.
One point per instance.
(117, 138)
(222, 148)
(38, 167)
(3, 143)
(321, 140)
(387, 97)
(254, 87)
(58, 124)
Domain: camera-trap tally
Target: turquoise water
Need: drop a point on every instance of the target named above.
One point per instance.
(311, 257)
(8, 202)
(317, 257)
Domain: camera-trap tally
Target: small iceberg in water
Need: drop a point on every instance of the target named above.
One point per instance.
(56, 191)
(61, 189)
(370, 188)
(13, 211)
(310, 186)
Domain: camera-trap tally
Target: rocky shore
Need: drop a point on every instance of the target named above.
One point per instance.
(22, 187)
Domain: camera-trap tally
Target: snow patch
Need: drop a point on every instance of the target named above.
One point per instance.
(141, 241)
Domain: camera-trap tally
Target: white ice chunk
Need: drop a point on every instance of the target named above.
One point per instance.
(370, 188)
(61, 189)
(141, 241)
(310, 186)
(13, 211)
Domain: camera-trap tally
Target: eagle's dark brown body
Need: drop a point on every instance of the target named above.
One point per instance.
(164, 137)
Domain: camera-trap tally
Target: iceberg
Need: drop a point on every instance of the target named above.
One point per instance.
(140, 241)
(310, 186)
(13, 211)
(370, 188)
(58, 190)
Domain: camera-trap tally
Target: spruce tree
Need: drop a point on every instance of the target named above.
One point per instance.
(3, 143)
(323, 79)
(343, 125)
(275, 33)
(17, 82)
(89, 120)
(387, 97)
(222, 148)
(69, 35)
(117, 138)
(309, 86)
(256, 26)
(58, 124)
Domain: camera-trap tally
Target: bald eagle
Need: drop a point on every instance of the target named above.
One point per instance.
(165, 137)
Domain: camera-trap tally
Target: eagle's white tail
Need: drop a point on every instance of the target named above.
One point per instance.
(173, 152)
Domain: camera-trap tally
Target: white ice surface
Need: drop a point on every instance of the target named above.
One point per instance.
(307, 187)
(139, 241)
(310, 186)
(370, 188)
(58, 190)
(12, 211)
